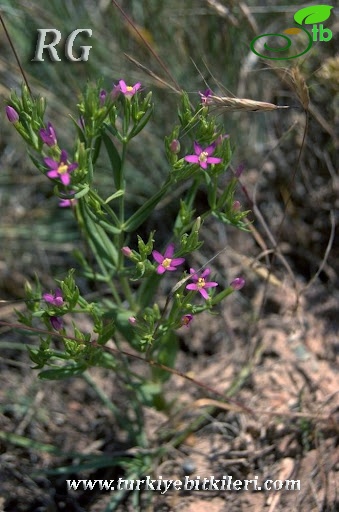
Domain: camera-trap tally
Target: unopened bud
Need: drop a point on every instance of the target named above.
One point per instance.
(220, 139)
(238, 283)
(175, 146)
(126, 251)
(12, 115)
(197, 224)
(236, 206)
(102, 97)
(56, 323)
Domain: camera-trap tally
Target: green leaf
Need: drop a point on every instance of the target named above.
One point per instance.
(313, 14)
(116, 194)
(114, 159)
(62, 373)
(166, 355)
(81, 192)
(106, 333)
(145, 210)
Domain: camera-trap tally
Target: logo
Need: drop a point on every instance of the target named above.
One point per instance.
(41, 45)
(313, 15)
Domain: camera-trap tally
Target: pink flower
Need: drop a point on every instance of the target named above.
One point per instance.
(60, 169)
(203, 156)
(55, 299)
(200, 284)
(127, 90)
(166, 262)
(48, 135)
(204, 96)
(67, 203)
(186, 320)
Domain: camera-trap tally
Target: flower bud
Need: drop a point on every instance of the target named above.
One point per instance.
(220, 139)
(115, 92)
(175, 146)
(126, 251)
(236, 206)
(56, 322)
(48, 135)
(102, 97)
(132, 320)
(238, 283)
(12, 115)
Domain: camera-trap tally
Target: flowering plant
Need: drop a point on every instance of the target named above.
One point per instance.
(135, 312)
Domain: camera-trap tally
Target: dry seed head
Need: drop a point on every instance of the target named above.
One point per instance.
(244, 104)
(300, 87)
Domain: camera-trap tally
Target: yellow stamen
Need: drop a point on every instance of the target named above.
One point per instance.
(201, 282)
(166, 263)
(63, 168)
(203, 156)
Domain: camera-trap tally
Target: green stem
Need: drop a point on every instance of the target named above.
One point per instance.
(99, 249)
(121, 186)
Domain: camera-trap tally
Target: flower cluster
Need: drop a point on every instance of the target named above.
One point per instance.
(109, 120)
(167, 262)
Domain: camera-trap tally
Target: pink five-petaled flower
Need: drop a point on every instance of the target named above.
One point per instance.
(203, 156)
(200, 284)
(48, 135)
(166, 262)
(55, 299)
(128, 90)
(60, 169)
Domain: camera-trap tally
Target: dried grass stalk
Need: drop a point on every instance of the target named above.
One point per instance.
(242, 104)
(299, 85)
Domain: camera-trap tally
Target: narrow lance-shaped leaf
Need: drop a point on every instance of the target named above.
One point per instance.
(114, 158)
(145, 210)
